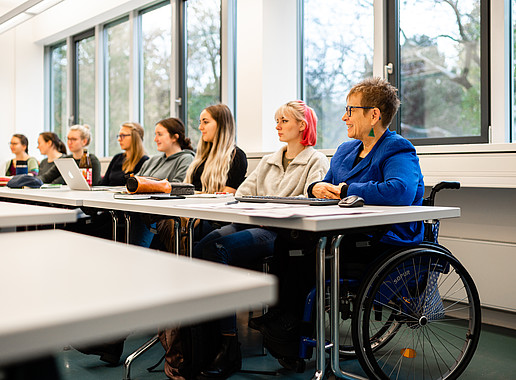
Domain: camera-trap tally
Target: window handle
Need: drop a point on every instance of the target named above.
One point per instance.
(388, 69)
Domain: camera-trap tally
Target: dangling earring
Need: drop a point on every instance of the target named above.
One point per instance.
(371, 132)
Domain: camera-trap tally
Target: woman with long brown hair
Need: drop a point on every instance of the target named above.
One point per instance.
(130, 138)
(50, 145)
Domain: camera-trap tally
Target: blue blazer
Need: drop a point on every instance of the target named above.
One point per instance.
(388, 175)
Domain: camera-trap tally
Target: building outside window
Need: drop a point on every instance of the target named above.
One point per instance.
(440, 68)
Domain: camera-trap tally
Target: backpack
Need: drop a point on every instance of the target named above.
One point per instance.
(189, 350)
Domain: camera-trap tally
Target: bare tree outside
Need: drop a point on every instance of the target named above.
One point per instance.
(203, 59)
(86, 85)
(440, 68)
(58, 90)
(157, 48)
(117, 80)
(338, 52)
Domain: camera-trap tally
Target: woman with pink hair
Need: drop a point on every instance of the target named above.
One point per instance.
(287, 172)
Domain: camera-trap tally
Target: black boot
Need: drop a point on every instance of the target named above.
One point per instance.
(108, 352)
(228, 359)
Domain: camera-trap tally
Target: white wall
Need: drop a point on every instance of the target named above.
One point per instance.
(7, 94)
(266, 68)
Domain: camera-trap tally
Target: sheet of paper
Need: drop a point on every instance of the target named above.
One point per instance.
(242, 206)
(299, 212)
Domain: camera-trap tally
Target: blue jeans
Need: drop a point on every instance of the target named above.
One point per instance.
(237, 245)
(140, 233)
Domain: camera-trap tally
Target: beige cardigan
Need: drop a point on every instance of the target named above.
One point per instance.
(269, 178)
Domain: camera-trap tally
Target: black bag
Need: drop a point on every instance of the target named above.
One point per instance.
(200, 343)
(189, 350)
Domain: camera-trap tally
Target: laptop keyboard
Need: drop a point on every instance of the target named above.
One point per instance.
(293, 200)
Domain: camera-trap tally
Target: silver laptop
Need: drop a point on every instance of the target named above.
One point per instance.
(73, 176)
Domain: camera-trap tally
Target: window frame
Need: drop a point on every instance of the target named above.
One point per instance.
(49, 85)
(105, 80)
(392, 48)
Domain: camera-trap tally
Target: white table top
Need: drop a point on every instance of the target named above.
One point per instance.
(16, 214)
(179, 207)
(65, 288)
(62, 196)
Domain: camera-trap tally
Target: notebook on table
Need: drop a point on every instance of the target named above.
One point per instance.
(292, 200)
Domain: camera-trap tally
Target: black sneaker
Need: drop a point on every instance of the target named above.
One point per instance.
(258, 323)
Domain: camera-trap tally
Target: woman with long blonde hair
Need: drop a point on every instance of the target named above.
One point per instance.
(130, 138)
(219, 165)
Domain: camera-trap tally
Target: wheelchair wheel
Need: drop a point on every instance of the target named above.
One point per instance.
(435, 302)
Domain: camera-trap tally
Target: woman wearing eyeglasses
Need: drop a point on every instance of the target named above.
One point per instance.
(78, 139)
(130, 138)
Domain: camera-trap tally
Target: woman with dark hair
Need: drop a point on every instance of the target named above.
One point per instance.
(20, 147)
(130, 138)
(177, 152)
(50, 145)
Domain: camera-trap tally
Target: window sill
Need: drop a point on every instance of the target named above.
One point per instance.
(473, 165)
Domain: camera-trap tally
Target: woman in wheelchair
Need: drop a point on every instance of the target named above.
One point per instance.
(287, 172)
(377, 165)
(411, 308)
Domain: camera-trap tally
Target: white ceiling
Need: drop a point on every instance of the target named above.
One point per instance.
(7, 5)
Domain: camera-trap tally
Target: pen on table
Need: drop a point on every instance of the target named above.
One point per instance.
(232, 203)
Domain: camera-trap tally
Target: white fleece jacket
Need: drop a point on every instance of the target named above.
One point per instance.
(269, 178)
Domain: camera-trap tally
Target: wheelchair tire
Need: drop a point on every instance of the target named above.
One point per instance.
(434, 300)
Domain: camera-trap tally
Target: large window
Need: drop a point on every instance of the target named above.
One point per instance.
(438, 51)
(117, 71)
(338, 52)
(203, 59)
(156, 69)
(58, 89)
(440, 68)
(85, 83)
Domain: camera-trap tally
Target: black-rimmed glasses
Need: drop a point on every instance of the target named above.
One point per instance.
(122, 136)
(350, 108)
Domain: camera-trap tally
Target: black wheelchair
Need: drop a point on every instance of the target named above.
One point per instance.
(415, 314)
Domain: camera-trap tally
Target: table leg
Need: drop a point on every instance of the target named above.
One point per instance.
(127, 227)
(320, 353)
(114, 220)
(190, 238)
(177, 234)
(334, 314)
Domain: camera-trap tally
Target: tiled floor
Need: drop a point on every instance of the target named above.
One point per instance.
(494, 359)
